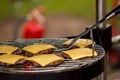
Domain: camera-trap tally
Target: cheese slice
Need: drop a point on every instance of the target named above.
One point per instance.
(37, 48)
(45, 59)
(10, 59)
(79, 43)
(7, 49)
(78, 53)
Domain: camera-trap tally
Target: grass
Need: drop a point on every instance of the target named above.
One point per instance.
(70, 7)
(85, 8)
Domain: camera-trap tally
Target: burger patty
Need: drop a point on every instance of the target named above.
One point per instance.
(34, 64)
(29, 54)
(18, 52)
(55, 63)
(19, 62)
(73, 47)
(66, 56)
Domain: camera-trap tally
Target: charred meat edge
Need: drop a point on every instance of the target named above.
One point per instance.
(87, 46)
(18, 52)
(53, 64)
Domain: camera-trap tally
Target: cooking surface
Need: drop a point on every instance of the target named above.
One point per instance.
(67, 66)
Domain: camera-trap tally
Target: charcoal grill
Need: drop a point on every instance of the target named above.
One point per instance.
(83, 69)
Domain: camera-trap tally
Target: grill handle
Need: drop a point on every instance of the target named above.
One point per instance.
(108, 16)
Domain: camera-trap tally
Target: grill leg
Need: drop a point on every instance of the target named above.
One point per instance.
(101, 76)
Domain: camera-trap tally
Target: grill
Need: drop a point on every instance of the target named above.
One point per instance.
(85, 68)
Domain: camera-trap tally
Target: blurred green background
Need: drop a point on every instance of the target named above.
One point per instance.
(18, 8)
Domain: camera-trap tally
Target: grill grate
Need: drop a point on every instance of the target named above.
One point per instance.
(68, 64)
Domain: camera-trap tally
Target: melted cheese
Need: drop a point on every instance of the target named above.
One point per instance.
(45, 59)
(80, 42)
(7, 49)
(37, 47)
(78, 53)
(10, 59)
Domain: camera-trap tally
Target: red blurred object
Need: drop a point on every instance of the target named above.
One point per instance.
(34, 26)
(114, 55)
(33, 29)
(114, 58)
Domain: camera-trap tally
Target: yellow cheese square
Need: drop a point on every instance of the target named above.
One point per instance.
(10, 59)
(78, 53)
(45, 59)
(79, 43)
(37, 48)
(7, 49)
